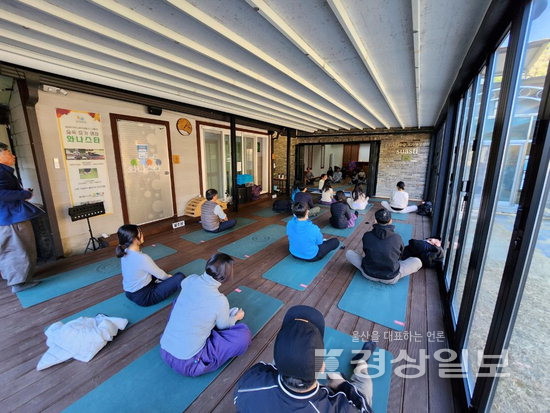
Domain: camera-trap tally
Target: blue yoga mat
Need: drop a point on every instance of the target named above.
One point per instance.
(121, 306)
(379, 365)
(405, 230)
(384, 304)
(257, 241)
(265, 213)
(295, 273)
(149, 385)
(396, 216)
(202, 236)
(376, 199)
(68, 281)
(346, 232)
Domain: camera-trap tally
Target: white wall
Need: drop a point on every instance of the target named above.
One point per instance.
(22, 146)
(364, 152)
(337, 152)
(186, 173)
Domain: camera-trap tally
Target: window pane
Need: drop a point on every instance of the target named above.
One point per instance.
(451, 255)
(511, 178)
(529, 381)
(486, 139)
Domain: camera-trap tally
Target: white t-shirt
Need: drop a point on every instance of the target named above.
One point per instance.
(399, 199)
(321, 184)
(327, 195)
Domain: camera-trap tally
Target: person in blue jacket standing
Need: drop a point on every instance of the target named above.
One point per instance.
(17, 244)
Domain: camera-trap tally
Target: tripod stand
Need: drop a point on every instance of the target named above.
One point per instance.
(87, 211)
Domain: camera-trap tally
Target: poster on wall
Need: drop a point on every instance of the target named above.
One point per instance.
(84, 154)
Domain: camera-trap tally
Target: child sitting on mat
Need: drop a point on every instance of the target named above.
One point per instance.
(213, 219)
(305, 198)
(327, 194)
(358, 200)
(140, 274)
(341, 214)
(305, 238)
(201, 334)
(399, 201)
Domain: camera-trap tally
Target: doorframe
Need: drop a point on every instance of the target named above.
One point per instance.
(228, 128)
(114, 117)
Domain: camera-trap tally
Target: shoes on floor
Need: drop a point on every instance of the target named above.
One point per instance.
(24, 286)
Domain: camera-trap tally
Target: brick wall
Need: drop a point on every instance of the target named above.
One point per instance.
(403, 157)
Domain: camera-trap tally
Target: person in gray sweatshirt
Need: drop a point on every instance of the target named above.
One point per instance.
(201, 334)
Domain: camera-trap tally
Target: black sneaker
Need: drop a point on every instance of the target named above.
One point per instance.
(368, 348)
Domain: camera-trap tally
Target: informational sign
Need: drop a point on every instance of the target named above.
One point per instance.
(84, 152)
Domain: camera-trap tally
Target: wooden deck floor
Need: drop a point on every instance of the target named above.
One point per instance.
(22, 341)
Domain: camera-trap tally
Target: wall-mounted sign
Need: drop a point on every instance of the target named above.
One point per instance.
(84, 153)
(184, 127)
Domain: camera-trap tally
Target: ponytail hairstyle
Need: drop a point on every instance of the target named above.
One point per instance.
(326, 186)
(401, 185)
(126, 235)
(220, 267)
(357, 192)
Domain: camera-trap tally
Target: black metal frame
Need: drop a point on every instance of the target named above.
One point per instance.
(520, 252)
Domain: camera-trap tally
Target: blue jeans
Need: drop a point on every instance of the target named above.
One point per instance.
(154, 293)
(225, 225)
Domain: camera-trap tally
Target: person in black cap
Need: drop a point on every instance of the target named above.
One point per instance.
(291, 385)
(383, 249)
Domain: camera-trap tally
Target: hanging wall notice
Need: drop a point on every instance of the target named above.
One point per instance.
(84, 151)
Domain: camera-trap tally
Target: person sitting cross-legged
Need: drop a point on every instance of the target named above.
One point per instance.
(213, 219)
(305, 238)
(383, 249)
(399, 201)
(305, 198)
(143, 281)
(341, 214)
(291, 384)
(201, 334)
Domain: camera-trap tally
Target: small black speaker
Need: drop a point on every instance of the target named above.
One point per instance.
(153, 110)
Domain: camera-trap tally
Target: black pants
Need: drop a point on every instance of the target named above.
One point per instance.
(324, 249)
(154, 293)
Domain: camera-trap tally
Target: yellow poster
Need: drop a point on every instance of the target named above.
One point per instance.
(84, 153)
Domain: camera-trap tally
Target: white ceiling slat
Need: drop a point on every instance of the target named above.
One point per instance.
(343, 17)
(225, 31)
(417, 49)
(136, 43)
(309, 64)
(192, 44)
(39, 61)
(94, 46)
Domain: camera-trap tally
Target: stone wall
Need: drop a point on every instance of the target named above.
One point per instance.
(279, 155)
(403, 157)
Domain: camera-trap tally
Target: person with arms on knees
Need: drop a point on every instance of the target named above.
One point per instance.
(201, 334)
(291, 384)
(327, 194)
(341, 214)
(337, 177)
(383, 249)
(322, 180)
(305, 238)
(358, 200)
(305, 198)
(213, 219)
(143, 281)
(17, 243)
(308, 176)
(295, 190)
(399, 201)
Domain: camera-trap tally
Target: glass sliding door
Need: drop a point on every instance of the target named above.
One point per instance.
(213, 161)
(510, 182)
(484, 144)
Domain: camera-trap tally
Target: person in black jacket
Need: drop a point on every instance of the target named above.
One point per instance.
(341, 214)
(305, 198)
(291, 384)
(383, 249)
